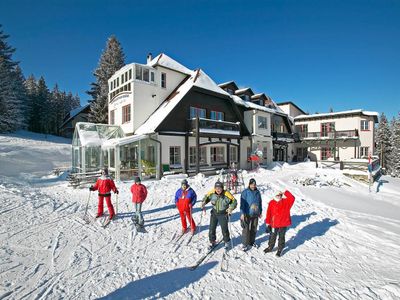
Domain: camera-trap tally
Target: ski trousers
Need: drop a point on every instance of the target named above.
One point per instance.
(222, 219)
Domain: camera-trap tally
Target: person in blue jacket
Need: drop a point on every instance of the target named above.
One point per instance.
(185, 199)
(250, 209)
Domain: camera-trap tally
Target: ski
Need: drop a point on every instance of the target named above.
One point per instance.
(224, 262)
(139, 228)
(190, 239)
(201, 259)
(106, 222)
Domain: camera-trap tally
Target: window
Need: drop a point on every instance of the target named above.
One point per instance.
(118, 81)
(217, 154)
(112, 117)
(230, 91)
(163, 80)
(217, 115)
(245, 97)
(364, 125)
(197, 112)
(130, 74)
(138, 71)
(326, 153)
(364, 151)
(126, 114)
(192, 155)
(152, 78)
(122, 78)
(175, 155)
(262, 122)
(146, 73)
(129, 86)
(327, 129)
(233, 154)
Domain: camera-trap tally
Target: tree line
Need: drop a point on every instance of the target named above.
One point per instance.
(27, 103)
(388, 144)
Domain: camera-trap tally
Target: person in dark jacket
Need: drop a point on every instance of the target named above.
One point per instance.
(139, 194)
(223, 204)
(185, 199)
(250, 209)
(278, 219)
(105, 185)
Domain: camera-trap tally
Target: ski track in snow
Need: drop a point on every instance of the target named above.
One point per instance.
(49, 252)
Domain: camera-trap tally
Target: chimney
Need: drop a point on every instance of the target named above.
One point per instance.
(149, 58)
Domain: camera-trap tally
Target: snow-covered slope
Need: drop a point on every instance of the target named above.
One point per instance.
(344, 242)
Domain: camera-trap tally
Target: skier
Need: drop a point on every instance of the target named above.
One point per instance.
(139, 194)
(251, 209)
(223, 204)
(278, 219)
(105, 185)
(185, 199)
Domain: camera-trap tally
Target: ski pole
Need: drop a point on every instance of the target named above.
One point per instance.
(230, 229)
(87, 205)
(116, 205)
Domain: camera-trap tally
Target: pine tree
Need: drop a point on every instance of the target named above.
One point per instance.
(395, 153)
(12, 92)
(111, 60)
(383, 144)
(33, 108)
(43, 103)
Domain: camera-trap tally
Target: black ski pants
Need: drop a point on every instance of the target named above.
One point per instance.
(281, 231)
(249, 226)
(222, 219)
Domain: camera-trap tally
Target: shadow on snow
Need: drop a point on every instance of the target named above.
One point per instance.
(161, 285)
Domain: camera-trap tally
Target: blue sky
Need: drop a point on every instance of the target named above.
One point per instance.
(318, 54)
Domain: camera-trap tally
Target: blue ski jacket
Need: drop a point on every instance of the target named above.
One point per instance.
(250, 203)
(188, 194)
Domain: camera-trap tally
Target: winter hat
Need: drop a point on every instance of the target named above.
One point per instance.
(219, 184)
(137, 179)
(184, 182)
(252, 181)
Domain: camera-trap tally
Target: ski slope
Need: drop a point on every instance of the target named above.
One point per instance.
(344, 242)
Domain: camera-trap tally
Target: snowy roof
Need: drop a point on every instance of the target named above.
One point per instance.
(167, 62)
(123, 141)
(197, 78)
(339, 113)
(73, 113)
(91, 134)
(243, 90)
(252, 105)
(255, 96)
(227, 83)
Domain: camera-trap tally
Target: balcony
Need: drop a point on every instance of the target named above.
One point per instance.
(209, 127)
(286, 137)
(340, 134)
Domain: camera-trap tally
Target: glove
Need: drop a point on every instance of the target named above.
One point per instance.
(229, 211)
(241, 217)
(91, 188)
(117, 192)
(268, 229)
(203, 205)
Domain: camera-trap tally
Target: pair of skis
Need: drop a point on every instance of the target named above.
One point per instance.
(87, 217)
(209, 252)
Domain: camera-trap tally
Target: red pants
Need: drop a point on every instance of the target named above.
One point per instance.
(109, 205)
(185, 212)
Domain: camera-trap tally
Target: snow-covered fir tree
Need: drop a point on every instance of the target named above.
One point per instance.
(395, 153)
(383, 141)
(111, 60)
(12, 92)
(43, 104)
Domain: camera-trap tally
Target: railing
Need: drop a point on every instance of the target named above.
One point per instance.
(215, 126)
(340, 134)
(284, 136)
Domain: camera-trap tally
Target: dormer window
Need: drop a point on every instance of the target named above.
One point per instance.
(164, 80)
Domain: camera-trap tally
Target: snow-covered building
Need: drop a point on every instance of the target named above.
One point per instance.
(184, 110)
(336, 136)
(270, 128)
(79, 114)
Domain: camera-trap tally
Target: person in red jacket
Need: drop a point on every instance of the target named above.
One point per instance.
(104, 185)
(278, 219)
(185, 199)
(139, 194)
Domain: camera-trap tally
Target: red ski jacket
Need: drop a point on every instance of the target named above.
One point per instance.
(105, 185)
(139, 193)
(278, 212)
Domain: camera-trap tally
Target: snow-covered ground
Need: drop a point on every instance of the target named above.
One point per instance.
(344, 242)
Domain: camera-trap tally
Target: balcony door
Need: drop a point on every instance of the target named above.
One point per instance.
(327, 129)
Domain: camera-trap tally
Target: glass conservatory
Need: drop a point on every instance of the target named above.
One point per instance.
(95, 146)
